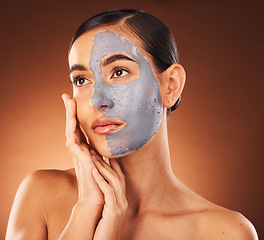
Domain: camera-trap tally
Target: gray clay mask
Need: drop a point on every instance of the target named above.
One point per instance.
(137, 102)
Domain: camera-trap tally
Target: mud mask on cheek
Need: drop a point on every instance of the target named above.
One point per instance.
(138, 102)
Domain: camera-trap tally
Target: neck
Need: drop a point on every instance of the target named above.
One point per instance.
(148, 173)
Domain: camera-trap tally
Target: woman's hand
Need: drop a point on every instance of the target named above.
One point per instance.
(88, 191)
(111, 181)
(102, 204)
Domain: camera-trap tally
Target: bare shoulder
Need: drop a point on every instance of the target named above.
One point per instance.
(43, 185)
(209, 221)
(221, 223)
(51, 179)
(50, 190)
(36, 197)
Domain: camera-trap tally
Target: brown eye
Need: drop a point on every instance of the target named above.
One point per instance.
(80, 81)
(120, 73)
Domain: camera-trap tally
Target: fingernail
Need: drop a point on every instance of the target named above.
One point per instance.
(94, 158)
(95, 171)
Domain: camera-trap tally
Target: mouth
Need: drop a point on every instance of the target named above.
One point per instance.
(106, 125)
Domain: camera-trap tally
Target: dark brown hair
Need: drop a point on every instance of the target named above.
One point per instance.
(156, 38)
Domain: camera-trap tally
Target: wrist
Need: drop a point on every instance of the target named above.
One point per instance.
(87, 209)
(85, 204)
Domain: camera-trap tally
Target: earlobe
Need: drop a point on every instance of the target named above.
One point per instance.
(175, 79)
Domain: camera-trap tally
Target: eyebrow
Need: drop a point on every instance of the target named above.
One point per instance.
(116, 57)
(77, 67)
(113, 58)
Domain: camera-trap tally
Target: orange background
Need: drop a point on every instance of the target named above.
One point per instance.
(216, 135)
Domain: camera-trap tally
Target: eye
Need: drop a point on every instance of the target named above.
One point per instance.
(80, 81)
(119, 72)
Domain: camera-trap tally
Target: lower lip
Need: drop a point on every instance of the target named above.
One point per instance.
(111, 128)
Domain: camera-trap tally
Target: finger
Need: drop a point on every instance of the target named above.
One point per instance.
(102, 160)
(76, 141)
(65, 98)
(70, 122)
(107, 190)
(73, 132)
(106, 171)
(70, 112)
(115, 165)
(82, 136)
(112, 167)
(112, 178)
(73, 124)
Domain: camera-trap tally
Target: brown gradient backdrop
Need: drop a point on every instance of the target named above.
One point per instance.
(216, 135)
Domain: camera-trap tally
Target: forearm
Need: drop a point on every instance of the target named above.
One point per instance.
(82, 223)
(109, 228)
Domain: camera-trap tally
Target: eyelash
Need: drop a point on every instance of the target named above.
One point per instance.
(118, 68)
(78, 77)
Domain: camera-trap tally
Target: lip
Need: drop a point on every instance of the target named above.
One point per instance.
(107, 125)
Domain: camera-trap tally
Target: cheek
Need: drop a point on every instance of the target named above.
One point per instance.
(83, 102)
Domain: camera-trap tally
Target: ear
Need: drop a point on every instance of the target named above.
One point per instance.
(174, 80)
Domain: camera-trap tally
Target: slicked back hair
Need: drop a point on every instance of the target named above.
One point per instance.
(155, 36)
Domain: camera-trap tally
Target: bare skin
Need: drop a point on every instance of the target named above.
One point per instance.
(133, 197)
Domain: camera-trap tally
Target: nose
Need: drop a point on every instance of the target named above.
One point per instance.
(102, 99)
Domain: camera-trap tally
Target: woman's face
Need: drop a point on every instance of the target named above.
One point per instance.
(117, 94)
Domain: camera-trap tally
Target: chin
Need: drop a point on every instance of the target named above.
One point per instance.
(106, 154)
(103, 151)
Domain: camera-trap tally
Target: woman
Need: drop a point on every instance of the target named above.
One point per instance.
(126, 80)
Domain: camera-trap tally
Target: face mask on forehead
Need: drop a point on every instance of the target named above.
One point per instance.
(137, 102)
